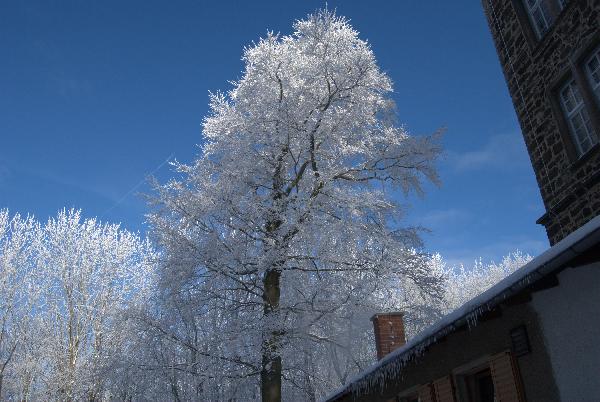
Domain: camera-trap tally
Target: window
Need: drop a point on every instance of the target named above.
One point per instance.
(592, 69)
(577, 117)
(576, 101)
(411, 395)
(540, 16)
(480, 386)
(543, 13)
(490, 379)
(476, 384)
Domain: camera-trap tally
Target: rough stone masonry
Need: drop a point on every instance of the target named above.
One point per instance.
(535, 68)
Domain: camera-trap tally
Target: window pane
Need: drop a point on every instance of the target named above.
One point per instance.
(589, 139)
(567, 99)
(592, 68)
(546, 11)
(540, 21)
(577, 117)
(576, 95)
(540, 16)
(579, 129)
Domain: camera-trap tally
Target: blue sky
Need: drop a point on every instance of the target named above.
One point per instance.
(94, 96)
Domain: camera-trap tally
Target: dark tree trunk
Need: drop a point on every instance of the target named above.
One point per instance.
(270, 376)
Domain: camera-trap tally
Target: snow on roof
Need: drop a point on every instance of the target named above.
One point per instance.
(389, 367)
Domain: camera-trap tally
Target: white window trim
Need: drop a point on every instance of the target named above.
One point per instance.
(537, 6)
(578, 110)
(594, 85)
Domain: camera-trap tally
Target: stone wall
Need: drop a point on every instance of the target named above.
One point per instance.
(533, 69)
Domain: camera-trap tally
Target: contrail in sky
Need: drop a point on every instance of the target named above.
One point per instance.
(132, 189)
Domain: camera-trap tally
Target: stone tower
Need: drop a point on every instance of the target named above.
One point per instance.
(550, 54)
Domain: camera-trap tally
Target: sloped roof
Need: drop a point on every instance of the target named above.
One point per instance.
(578, 242)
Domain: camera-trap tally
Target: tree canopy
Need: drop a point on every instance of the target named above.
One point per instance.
(283, 222)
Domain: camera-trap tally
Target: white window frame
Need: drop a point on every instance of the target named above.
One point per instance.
(591, 72)
(539, 13)
(575, 112)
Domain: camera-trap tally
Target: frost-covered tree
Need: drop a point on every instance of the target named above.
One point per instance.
(16, 290)
(285, 221)
(89, 273)
(156, 344)
(464, 283)
(64, 287)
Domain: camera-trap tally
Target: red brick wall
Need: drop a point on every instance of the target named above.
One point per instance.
(389, 332)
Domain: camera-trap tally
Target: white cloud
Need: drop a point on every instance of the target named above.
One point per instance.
(501, 151)
(442, 216)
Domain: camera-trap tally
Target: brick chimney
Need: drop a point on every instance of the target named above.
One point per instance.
(389, 332)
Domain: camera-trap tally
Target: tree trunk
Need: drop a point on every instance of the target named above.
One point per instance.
(270, 375)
